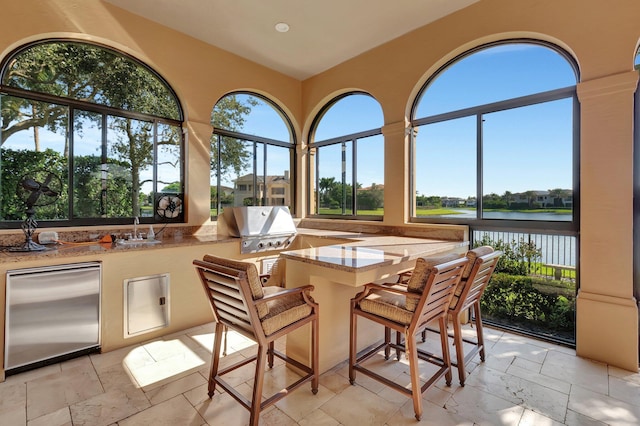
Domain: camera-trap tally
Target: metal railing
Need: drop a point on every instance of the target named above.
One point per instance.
(558, 253)
(543, 304)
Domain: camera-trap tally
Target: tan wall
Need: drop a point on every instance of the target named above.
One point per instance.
(602, 36)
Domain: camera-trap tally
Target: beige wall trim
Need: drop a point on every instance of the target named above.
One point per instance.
(400, 128)
(607, 330)
(596, 297)
(609, 85)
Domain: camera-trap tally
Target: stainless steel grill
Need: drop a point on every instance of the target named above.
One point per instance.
(260, 228)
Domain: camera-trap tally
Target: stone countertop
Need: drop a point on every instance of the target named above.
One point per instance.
(357, 252)
(366, 251)
(60, 251)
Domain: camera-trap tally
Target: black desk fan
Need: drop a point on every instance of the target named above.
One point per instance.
(36, 189)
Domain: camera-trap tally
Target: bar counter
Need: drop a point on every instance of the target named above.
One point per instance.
(338, 273)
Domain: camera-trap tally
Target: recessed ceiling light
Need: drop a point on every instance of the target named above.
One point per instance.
(282, 27)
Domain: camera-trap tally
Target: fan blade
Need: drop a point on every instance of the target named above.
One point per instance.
(49, 192)
(33, 198)
(30, 184)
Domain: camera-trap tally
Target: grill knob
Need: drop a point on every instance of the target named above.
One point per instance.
(260, 245)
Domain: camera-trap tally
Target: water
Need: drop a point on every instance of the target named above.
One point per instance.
(550, 217)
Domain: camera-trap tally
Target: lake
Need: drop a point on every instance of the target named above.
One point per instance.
(471, 214)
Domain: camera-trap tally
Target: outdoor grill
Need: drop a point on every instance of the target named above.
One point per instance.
(260, 228)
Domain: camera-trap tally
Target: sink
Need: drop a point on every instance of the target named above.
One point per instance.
(141, 242)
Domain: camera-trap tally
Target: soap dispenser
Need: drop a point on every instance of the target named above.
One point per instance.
(151, 235)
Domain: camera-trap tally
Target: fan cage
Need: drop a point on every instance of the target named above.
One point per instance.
(167, 208)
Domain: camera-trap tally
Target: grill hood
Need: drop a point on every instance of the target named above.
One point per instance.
(261, 228)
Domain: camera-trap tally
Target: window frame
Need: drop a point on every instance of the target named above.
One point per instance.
(353, 138)
(105, 111)
(254, 140)
(478, 111)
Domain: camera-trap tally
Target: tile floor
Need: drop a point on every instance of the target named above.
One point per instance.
(163, 382)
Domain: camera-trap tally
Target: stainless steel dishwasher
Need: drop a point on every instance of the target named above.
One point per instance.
(52, 313)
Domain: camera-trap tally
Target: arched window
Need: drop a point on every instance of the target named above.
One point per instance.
(105, 124)
(346, 160)
(252, 153)
(496, 137)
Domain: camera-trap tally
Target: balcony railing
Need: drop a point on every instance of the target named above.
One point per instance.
(557, 252)
(534, 288)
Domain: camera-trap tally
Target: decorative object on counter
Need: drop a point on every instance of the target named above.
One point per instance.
(168, 207)
(107, 239)
(151, 235)
(37, 188)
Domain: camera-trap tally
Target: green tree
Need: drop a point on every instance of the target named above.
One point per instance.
(326, 186)
(531, 198)
(173, 187)
(371, 199)
(230, 114)
(558, 194)
(493, 201)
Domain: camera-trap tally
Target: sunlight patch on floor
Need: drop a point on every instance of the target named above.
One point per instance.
(162, 361)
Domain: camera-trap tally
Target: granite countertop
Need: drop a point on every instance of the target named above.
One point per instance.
(354, 252)
(366, 251)
(92, 248)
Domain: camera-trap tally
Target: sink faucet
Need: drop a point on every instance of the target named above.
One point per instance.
(136, 222)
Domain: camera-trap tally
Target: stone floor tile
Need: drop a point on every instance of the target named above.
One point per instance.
(484, 408)
(109, 407)
(359, 406)
(575, 370)
(531, 418)
(62, 417)
(50, 393)
(522, 392)
(603, 408)
(175, 411)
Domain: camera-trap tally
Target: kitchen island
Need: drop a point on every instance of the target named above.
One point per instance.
(338, 273)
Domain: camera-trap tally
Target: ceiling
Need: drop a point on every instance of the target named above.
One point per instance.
(322, 34)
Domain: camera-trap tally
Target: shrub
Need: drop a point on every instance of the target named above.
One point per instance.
(522, 301)
(518, 256)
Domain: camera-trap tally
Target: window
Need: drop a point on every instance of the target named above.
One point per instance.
(346, 159)
(252, 151)
(102, 122)
(495, 137)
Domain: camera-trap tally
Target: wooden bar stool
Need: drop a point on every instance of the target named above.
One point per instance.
(240, 303)
(408, 309)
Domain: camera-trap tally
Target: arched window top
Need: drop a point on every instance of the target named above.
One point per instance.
(252, 114)
(495, 73)
(90, 73)
(636, 61)
(348, 114)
